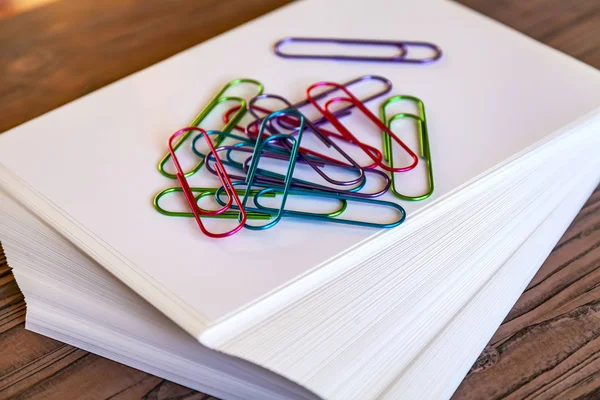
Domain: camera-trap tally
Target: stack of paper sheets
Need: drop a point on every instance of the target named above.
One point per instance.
(305, 310)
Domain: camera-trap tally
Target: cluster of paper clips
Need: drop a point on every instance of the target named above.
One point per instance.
(277, 134)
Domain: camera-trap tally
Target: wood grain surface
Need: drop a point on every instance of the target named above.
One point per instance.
(547, 348)
(9, 8)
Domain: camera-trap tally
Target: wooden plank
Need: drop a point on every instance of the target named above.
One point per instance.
(12, 306)
(57, 53)
(549, 345)
(572, 26)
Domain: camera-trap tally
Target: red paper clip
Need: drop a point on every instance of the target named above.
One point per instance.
(349, 136)
(223, 177)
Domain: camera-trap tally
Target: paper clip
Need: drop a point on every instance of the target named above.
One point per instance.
(347, 198)
(274, 179)
(255, 125)
(344, 131)
(216, 100)
(343, 111)
(202, 192)
(423, 139)
(275, 193)
(258, 149)
(401, 46)
(223, 177)
(288, 123)
(328, 142)
(387, 87)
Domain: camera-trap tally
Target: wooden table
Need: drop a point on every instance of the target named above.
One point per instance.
(549, 345)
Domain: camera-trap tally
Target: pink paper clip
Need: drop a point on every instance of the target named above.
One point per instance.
(223, 177)
(349, 136)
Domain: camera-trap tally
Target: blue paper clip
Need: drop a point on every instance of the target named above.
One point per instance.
(258, 149)
(327, 218)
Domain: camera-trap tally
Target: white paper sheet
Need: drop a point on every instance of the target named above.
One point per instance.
(494, 93)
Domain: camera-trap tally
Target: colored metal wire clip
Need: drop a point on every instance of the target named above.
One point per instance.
(247, 163)
(403, 49)
(197, 212)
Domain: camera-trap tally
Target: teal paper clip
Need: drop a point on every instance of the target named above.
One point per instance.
(329, 218)
(258, 149)
(277, 191)
(202, 192)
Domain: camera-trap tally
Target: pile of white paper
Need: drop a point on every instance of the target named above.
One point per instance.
(305, 310)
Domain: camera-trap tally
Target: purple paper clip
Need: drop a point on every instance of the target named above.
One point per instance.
(403, 48)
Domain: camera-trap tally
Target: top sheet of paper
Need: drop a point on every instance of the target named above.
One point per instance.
(494, 93)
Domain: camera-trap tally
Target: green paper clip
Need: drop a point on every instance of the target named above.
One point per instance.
(202, 192)
(214, 102)
(423, 139)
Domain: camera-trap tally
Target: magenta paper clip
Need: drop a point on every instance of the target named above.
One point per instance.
(345, 132)
(223, 177)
